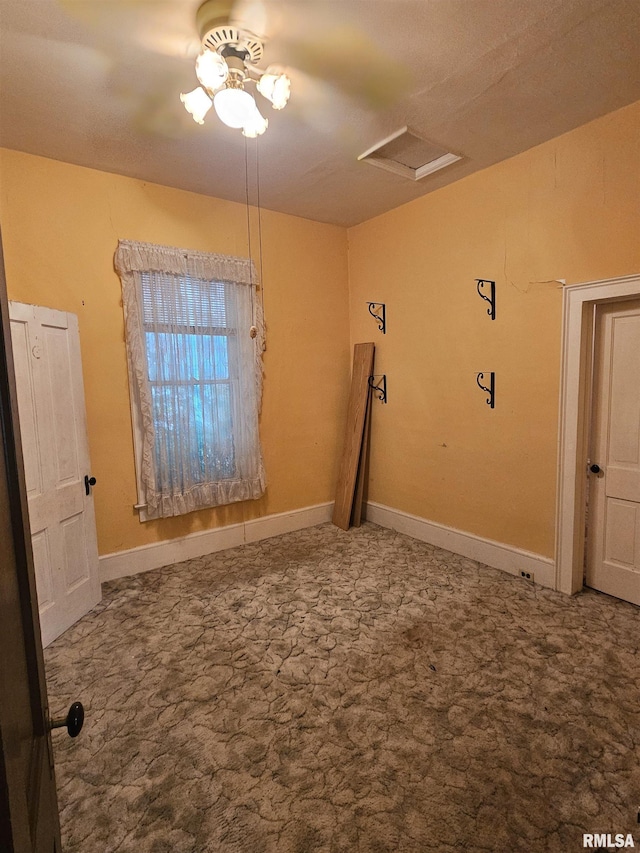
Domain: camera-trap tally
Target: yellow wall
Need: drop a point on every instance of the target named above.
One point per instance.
(60, 227)
(568, 209)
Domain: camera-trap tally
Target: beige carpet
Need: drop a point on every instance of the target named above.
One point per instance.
(325, 691)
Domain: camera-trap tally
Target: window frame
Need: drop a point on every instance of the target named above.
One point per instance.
(231, 333)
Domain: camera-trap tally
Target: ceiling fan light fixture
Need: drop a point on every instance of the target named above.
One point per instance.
(275, 87)
(211, 70)
(256, 125)
(235, 107)
(197, 103)
(225, 64)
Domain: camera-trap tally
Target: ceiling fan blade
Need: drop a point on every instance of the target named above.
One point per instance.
(346, 59)
(156, 27)
(248, 15)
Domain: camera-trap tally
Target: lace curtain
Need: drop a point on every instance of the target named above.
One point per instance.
(195, 375)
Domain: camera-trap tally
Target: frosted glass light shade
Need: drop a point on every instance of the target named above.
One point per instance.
(235, 107)
(256, 125)
(198, 103)
(276, 88)
(211, 70)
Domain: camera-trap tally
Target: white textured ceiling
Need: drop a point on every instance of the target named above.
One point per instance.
(97, 83)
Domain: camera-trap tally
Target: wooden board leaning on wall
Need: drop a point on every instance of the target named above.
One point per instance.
(353, 457)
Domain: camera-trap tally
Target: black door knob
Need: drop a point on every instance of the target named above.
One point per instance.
(595, 469)
(88, 482)
(73, 721)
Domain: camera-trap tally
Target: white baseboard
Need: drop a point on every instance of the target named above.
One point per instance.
(146, 557)
(496, 554)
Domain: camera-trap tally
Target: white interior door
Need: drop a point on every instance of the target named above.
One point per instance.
(46, 347)
(613, 547)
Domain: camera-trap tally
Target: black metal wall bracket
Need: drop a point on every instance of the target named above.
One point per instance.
(380, 390)
(491, 310)
(491, 390)
(378, 311)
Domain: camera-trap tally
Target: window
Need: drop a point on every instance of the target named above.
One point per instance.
(195, 377)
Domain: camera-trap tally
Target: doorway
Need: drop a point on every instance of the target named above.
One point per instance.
(576, 376)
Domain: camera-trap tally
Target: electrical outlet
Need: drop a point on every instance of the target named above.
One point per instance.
(528, 576)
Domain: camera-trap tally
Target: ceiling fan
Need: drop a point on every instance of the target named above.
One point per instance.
(225, 68)
(322, 52)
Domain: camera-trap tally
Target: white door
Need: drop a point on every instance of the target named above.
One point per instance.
(46, 348)
(613, 547)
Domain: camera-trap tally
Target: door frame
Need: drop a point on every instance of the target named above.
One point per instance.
(578, 301)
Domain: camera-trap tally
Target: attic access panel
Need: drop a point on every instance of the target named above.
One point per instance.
(407, 154)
